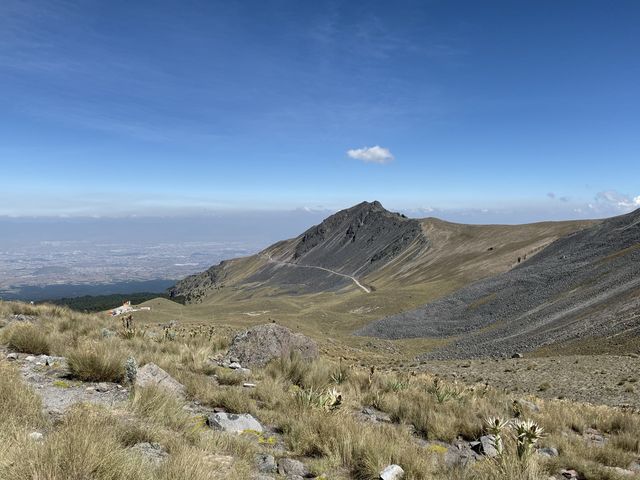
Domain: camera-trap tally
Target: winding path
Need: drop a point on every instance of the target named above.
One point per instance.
(290, 264)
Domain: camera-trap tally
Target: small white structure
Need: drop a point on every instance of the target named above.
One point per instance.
(126, 308)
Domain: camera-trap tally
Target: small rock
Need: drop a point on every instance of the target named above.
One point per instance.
(22, 318)
(525, 404)
(153, 452)
(36, 436)
(106, 333)
(152, 375)
(623, 472)
(460, 455)
(569, 473)
(374, 415)
(548, 452)
(249, 385)
(103, 387)
(266, 463)
(235, 365)
(29, 358)
(291, 467)
(517, 355)
(230, 422)
(392, 472)
(12, 357)
(487, 446)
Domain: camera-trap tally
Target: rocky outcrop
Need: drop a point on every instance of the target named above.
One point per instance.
(259, 345)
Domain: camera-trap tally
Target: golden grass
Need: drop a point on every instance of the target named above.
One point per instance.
(94, 442)
(97, 362)
(27, 338)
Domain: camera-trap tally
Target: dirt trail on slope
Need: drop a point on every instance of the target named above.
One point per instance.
(290, 264)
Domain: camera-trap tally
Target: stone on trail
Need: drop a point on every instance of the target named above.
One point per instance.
(259, 345)
(152, 375)
(234, 423)
(392, 472)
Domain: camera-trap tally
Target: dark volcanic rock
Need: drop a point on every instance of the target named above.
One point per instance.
(585, 284)
(357, 240)
(351, 243)
(261, 344)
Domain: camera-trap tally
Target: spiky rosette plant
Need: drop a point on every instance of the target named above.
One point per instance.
(495, 426)
(527, 433)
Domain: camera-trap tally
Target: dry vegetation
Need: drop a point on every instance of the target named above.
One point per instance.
(297, 400)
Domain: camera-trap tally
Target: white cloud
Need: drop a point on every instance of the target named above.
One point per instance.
(375, 154)
(618, 200)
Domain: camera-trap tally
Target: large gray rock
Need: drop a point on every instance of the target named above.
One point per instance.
(259, 345)
(392, 472)
(152, 375)
(233, 423)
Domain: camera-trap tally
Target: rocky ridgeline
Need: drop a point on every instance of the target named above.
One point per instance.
(353, 242)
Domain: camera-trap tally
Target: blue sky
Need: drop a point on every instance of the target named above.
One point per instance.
(478, 111)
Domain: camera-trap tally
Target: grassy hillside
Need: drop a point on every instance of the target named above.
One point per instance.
(422, 417)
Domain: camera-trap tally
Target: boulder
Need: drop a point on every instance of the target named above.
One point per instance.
(259, 345)
(392, 472)
(152, 375)
(292, 468)
(234, 423)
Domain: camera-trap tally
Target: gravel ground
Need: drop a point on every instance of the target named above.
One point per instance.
(599, 379)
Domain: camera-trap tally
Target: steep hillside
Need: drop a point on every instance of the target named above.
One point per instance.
(330, 256)
(584, 285)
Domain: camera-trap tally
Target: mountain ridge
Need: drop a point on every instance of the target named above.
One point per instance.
(584, 284)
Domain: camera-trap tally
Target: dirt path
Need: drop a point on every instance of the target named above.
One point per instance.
(354, 279)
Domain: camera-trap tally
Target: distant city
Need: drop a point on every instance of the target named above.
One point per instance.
(50, 269)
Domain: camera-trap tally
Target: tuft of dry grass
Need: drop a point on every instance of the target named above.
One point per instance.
(97, 362)
(27, 338)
